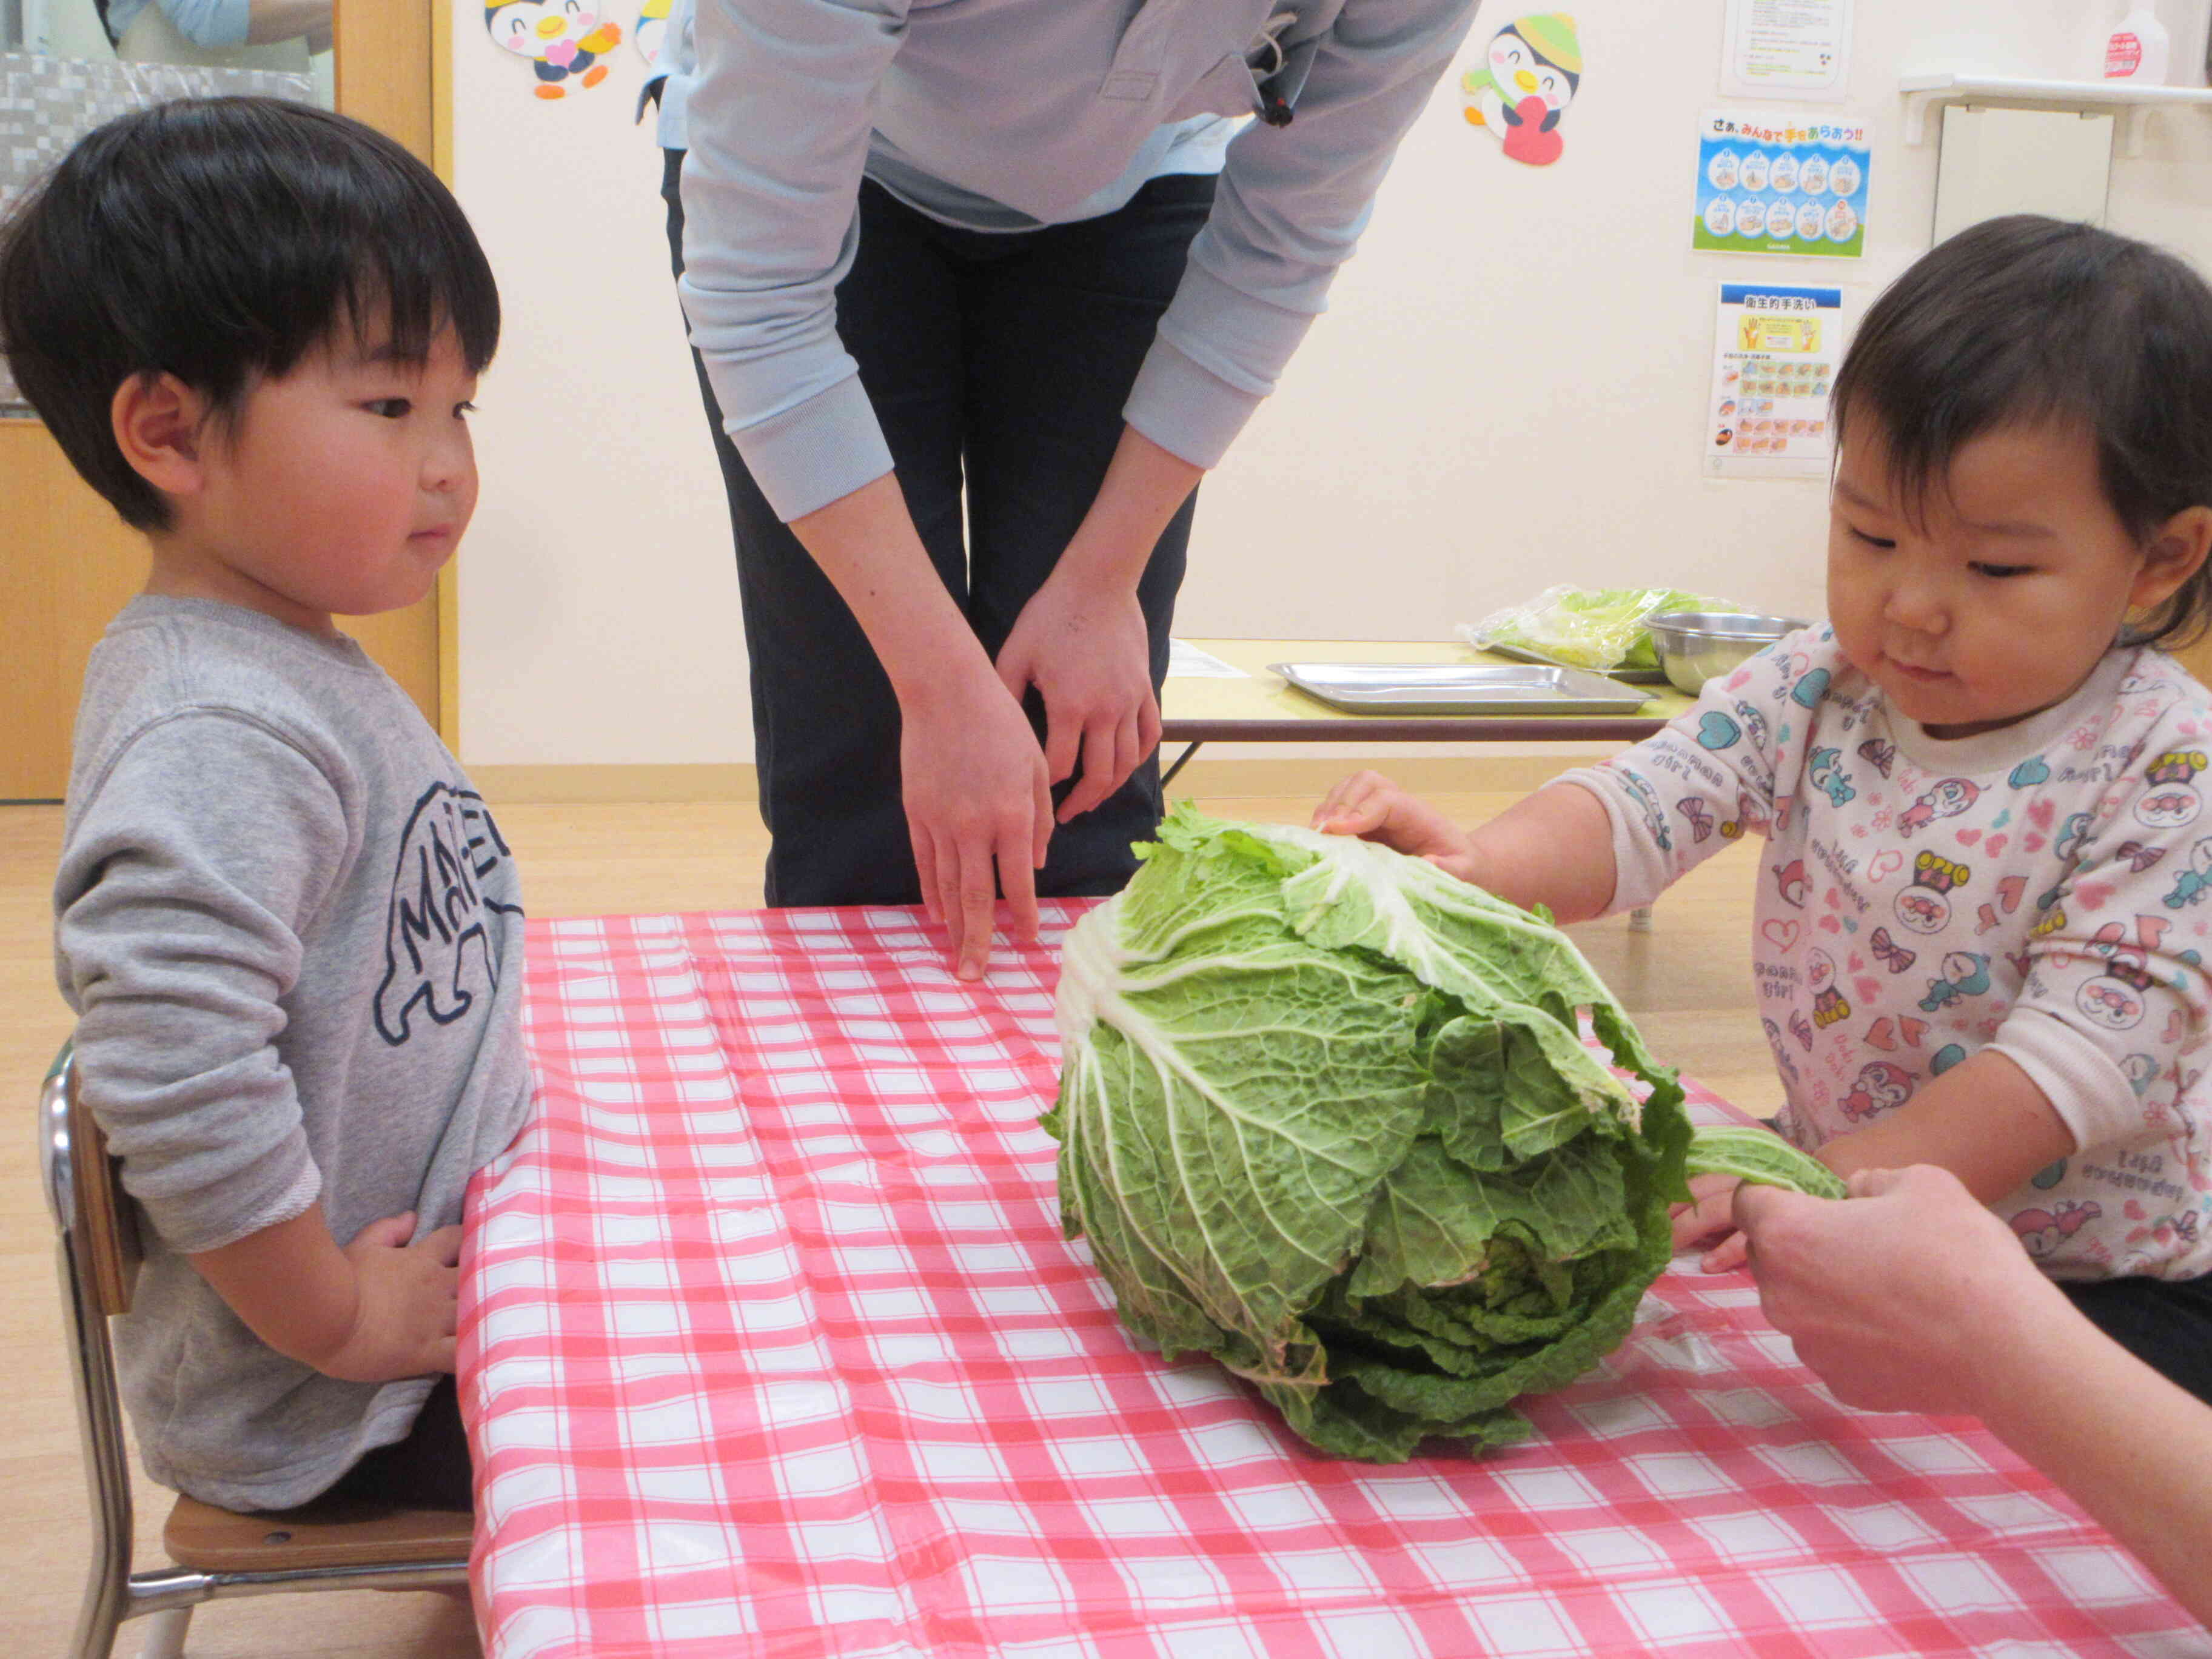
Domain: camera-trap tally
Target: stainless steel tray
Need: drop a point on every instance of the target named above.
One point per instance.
(1623, 676)
(1412, 688)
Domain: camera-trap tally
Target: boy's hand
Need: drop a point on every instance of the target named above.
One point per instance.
(1369, 805)
(406, 1300)
(1710, 1215)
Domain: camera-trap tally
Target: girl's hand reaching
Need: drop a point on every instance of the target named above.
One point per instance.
(1369, 805)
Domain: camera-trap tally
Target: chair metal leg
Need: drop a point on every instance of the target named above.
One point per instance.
(107, 1588)
(165, 1634)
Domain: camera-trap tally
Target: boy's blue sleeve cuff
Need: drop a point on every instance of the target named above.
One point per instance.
(816, 451)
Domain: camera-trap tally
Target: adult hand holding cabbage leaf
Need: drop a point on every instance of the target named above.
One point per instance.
(1325, 1114)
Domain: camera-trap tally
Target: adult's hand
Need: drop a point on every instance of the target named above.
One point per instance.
(972, 779)
(1082, 639)
(976, 803)
(1083, 643)
(1910, 1296)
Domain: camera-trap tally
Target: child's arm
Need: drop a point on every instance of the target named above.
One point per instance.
(376, 1310)
(1984, 1122)
(1911, 1297)
(1553, 848)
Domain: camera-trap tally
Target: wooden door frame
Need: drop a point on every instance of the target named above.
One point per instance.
(409, 96)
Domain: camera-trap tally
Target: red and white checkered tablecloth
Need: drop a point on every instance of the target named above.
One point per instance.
(771, 1348)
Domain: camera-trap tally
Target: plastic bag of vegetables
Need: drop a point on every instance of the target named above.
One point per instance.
(1325, 1114)
(1600, 628)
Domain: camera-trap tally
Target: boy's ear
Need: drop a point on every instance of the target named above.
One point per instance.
(159, 424)
(2175, 552)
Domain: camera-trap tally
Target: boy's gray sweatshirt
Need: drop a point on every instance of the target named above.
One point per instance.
(292, 937)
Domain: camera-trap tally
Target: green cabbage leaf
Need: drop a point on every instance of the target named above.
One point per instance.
(1325, 1115)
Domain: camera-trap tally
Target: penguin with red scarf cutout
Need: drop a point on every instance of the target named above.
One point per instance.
(1530, 75)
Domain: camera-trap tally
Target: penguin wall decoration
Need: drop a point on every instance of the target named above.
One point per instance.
(562, 39)
(1522, 91)
(652, 29)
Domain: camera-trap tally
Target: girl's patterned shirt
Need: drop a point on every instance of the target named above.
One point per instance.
(2045, 889)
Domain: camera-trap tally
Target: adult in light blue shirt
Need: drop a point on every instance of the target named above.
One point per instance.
(973, 315)
(216, 24)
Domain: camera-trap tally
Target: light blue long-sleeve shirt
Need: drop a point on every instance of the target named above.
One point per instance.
(1009, 114)
(210, 23)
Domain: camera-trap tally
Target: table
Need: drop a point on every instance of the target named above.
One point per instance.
(1263, 709)
(771, 1348)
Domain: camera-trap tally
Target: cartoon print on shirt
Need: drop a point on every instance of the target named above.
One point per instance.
(1716, 732)
(2071, 834)
(1879, 755)
(2008, 895)
(1754, 725)
(1884, 1033)
(2139, 857)
(1882, 1085)
(2191, 883)
(1802, 1028)
(1789, 882)
(1829, 777)
(2043, 1230)
(2114, 999)
(441, 921)
(2111, 1003)
(1965, 975)
(2140, 1072)
(1699, 815)
(1922, 906)
(2030, 773)
(2048, 1177)
(1945, 1058)
(1655, 816)
(1892, 955)
(1782, 1055)
(1946, 799)
(1828, 1004)
(1808, 691)
(2171, 802)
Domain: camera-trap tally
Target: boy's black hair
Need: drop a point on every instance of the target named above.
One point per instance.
(220, 240)
(2024, 321)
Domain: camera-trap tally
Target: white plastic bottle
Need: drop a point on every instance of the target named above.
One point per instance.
(2137, 49)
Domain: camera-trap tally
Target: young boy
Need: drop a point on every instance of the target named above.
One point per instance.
(290, 931)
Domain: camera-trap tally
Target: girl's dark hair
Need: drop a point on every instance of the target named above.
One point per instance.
(220, 240)
(2025, 320)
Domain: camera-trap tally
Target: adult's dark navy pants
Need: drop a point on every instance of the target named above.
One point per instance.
(998, 364)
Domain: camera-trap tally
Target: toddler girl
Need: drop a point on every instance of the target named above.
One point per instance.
(1982, 904)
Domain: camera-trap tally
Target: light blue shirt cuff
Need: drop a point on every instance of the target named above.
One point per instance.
(817, 451)
(1184, 410)
(1218, 354)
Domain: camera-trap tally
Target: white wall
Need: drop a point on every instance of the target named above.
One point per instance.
(1509, 390)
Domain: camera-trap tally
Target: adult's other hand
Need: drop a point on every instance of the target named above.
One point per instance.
(977, 804)
(1084, 646)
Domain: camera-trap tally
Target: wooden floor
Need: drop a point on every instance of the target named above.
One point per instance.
(1687, 981)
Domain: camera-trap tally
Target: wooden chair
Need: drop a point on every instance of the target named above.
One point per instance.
(321, 1546)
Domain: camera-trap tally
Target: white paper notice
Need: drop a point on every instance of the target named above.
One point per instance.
(1187, 662)
(1775, 351)
(1788, 49)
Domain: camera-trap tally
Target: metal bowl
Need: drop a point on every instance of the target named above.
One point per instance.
(1695, 645)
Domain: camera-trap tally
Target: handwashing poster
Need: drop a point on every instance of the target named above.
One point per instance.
(1772, 182)
(1775, 352)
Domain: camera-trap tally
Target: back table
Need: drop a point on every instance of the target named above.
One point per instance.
(771, 1348)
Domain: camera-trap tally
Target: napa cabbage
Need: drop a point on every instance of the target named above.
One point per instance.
(1325, 1115)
